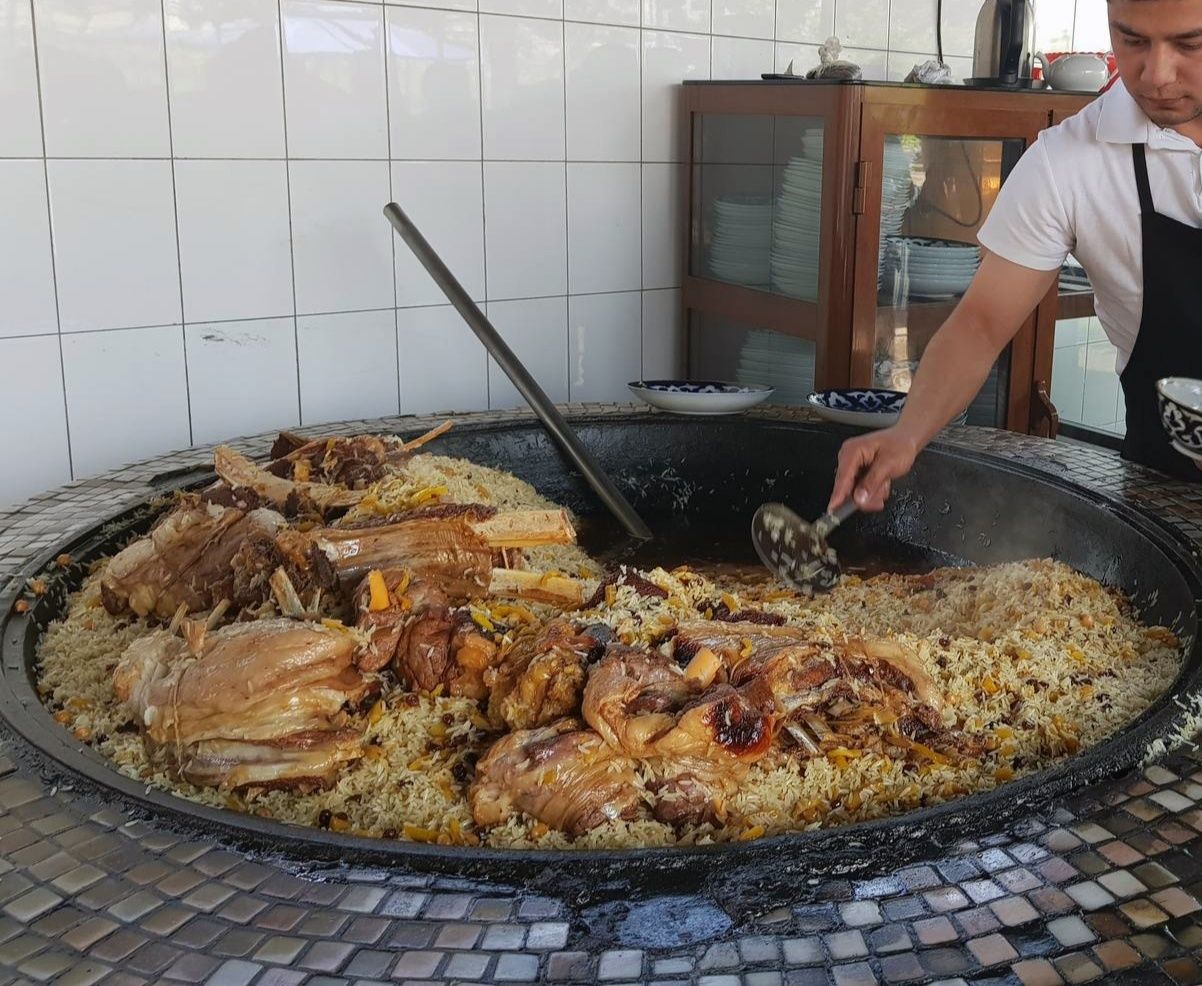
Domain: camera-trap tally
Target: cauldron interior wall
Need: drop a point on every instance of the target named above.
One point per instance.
(954, 504)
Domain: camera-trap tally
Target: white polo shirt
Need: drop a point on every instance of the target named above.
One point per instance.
(1074, 192)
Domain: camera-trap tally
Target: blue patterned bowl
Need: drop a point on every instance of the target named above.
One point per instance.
(865, 407)
(1180, 400)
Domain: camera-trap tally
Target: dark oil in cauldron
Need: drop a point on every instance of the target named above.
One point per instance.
(719, 547)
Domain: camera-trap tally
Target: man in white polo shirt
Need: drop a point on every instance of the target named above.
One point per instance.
(1119, 186)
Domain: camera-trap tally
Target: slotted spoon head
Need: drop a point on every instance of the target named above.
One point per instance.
(793, 550)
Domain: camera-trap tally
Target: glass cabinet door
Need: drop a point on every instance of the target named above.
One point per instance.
(757, 189)
(935, 193)
(929, 174)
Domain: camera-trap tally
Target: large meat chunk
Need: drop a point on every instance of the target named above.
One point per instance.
(185, 560)
(430, 643)
(643, 704)
(855, 691)
(565, 776)
(692, 790)
(212, 701)
(542, 678)
(302, 760)
(457, 546)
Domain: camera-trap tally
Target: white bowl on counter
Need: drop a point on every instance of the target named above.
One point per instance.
(703, 397)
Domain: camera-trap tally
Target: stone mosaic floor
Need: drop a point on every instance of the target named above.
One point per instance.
(1106, 888)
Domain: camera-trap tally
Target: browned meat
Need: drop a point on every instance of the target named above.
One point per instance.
(302, 761)
(456, 545)
(285, 494)
(646, 706)
(439, 646)
(185, 560)
(275, 682)
(856, 692)
(692, 790)
(731, 641)
(721, 611)
(355, 462)
(352, 461)
(565, 776)
(261, 680)
(625, 576)
(541, 678)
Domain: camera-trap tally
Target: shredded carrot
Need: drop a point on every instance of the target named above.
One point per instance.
(379, 591)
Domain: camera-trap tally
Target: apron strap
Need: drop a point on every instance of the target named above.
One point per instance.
(1141, 179)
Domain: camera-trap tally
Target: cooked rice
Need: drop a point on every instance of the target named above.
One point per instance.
(1040, 658)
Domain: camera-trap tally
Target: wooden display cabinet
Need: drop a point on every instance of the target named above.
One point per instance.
(832, 228)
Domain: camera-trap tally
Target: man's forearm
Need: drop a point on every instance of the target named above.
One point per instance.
(950, 374)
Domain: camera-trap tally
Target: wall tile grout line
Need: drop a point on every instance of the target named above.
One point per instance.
(483, 190)
(300, 409)
(179, 259)
(344, 311)
(567, 211)
(396, 340)
(58, 317)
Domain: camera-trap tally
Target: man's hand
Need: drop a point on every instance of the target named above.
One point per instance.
(869, 464)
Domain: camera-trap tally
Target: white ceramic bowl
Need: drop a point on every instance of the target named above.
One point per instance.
(703, 397)
(1180, 400)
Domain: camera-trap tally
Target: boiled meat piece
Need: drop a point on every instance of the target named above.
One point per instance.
(456, 545)
(827, 694)
(564, 775)
(356, 461)
(644, 705)
(431, 643)
(542, 678)
(185, 560)
(323, 475)
(292, 497)
(275, 682)
(311, 759)
(692, 790)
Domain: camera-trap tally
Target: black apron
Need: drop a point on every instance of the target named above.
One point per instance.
(1169, 343)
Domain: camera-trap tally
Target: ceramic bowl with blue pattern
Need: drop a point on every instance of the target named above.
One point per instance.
(864, 407)
(1180, 400)
(700, 396)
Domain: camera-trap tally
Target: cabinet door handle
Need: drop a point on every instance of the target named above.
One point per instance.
(1047, 423)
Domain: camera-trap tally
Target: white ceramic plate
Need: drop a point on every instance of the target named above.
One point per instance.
(703, 397)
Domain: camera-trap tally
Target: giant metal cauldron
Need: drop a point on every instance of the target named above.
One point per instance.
(956, 506)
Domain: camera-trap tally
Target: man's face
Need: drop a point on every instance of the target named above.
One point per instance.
(1158, 48)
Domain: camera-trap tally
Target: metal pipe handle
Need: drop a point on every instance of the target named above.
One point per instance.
(829, 521)
(526, 385)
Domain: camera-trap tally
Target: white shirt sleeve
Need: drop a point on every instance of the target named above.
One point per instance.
(1028, 224)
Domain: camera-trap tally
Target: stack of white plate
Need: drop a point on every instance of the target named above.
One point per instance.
(897, 192)
(742, 239)
(782, 362)
(933, 268)
(1073, 276)
(797, 223)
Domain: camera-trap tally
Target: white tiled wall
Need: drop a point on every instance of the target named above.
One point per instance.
(191, 242)
(1085, 388)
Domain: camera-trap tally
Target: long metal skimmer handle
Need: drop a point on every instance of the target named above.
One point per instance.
(526, 385)
(829, 521)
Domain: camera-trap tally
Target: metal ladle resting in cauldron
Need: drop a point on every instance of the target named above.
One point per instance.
(526, 385)
(795, 551)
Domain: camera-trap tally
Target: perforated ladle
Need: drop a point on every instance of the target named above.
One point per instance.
(796, 551)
